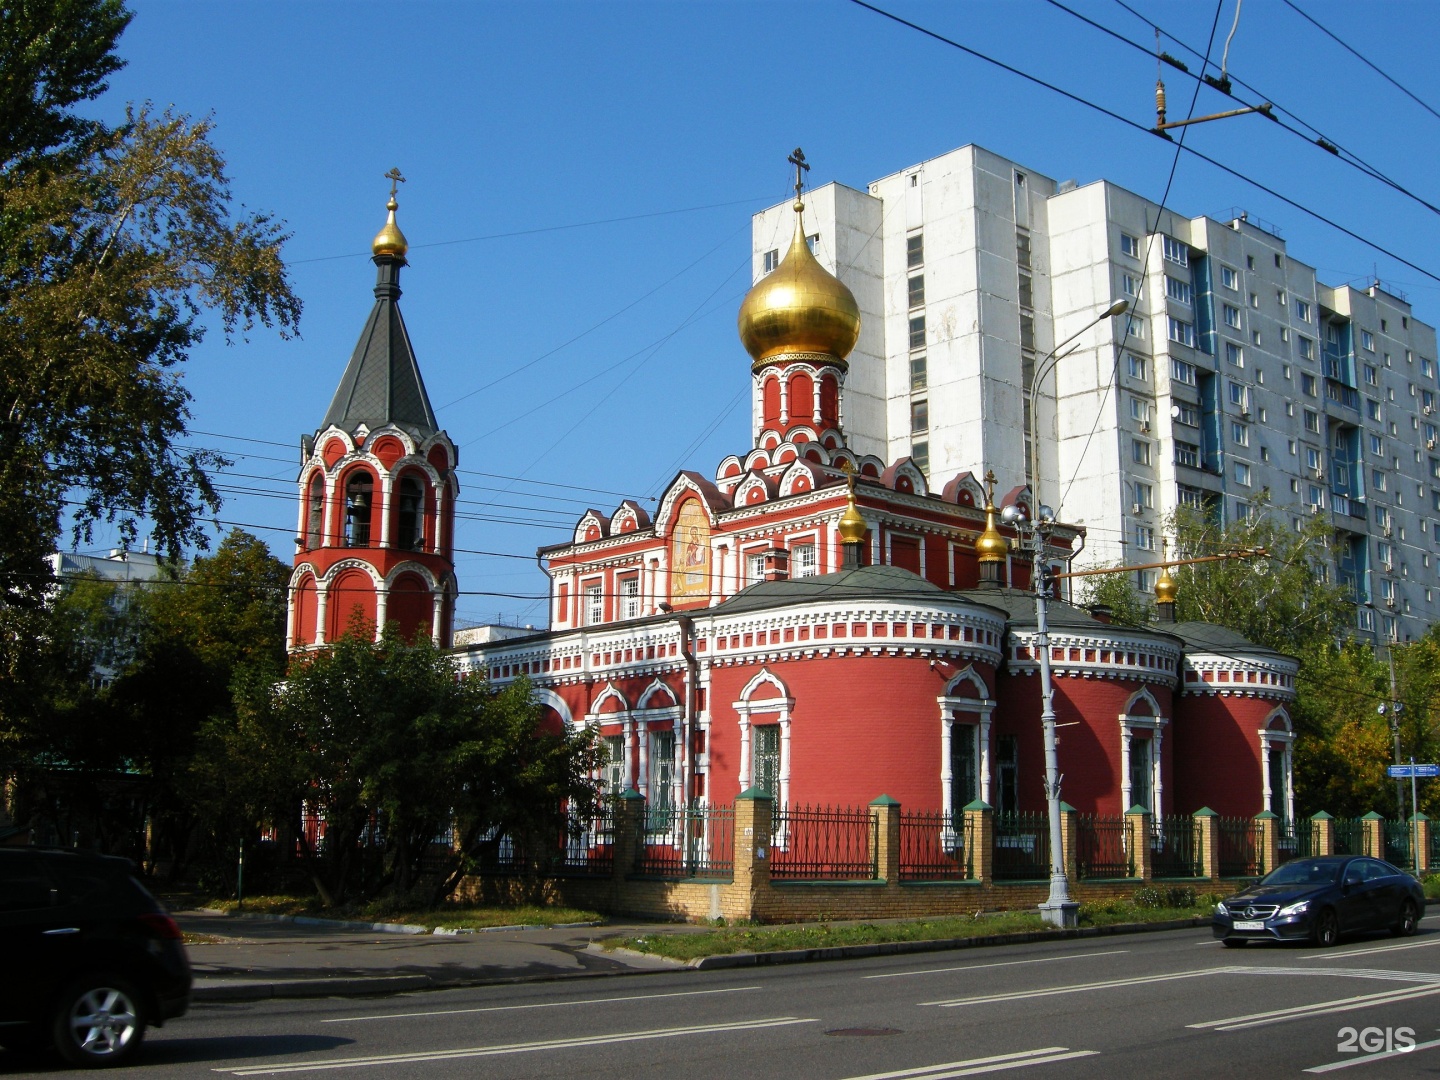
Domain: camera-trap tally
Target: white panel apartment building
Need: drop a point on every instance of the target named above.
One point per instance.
(1235, 373)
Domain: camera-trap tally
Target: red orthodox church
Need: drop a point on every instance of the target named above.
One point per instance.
(375, 537)
(811, 621)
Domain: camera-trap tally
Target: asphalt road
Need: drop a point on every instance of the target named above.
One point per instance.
(1170, 1005)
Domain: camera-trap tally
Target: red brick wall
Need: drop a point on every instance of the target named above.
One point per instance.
(1218, 750)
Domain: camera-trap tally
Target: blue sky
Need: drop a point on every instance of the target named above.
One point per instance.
(582, 175)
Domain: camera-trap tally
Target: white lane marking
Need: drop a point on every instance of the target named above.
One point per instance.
(513, 1048)
(1367, 1058)
(1319, 1008)
(977, 1066)
(537, 1005)
(1376, 949)
(1352, 973)
(1076, 988)
(1007, 963)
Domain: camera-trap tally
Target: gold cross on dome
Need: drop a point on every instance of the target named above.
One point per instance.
(395, 178)
(849, 471)
(989, 486)
(801, 168)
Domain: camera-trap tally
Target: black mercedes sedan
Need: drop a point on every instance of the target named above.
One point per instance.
(1319, 899)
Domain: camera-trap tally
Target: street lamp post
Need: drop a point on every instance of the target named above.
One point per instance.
(1058, 909)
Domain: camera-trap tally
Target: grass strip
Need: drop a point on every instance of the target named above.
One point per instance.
(449, 916)
(722, 941)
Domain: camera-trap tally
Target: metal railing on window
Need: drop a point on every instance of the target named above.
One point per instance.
(813, 843)
(1022, 847)
(1175, 848)
(934, 846)
(1101, 849)
(1240, 847)
(695, 841)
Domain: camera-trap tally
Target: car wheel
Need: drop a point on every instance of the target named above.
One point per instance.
(1327, 929)
(99, 1020)
(1233, 943)
(1409, 920)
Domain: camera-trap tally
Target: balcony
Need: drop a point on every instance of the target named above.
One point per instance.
(1345, 396)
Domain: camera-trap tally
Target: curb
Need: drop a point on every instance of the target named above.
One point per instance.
(390, 928)
(897, 948)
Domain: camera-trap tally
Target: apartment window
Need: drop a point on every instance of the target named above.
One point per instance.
(1130, 285)
(1027, 291)
(1027, 331)
(1264, 450)
(1187, 454)
(1234, 354)
(1255, 338)
(1302, 310)
(1186, 413)
(812, 242)
(1145, 537)
(1237, 392)
(1372, 409)
(1180, 291)
(919, 416)
(1229, 278)
(1137, 367)
(1382, 517)
(630, 597)
(594, 604)
(915, 250)
(1377, 445)
(1284, 333)
(1022, 248)
(917, 332)
(1312, 421)
(1280, 297)
(1244, 511)
(772, 259)
(1285, 371)
(1372, 376)
(1145, 582)
(803, 561)
(1308, 385)
(1430, 436)
(919, 374)
(1182, 372)
(1135, 328)
(1254, 300)
(1174, 251)
(1181, 332)
(1242, 473)
(1279, 263)
(1232, 315)
(1427, 401)
(1239, 434)
(1145, 495)
(920, 456)
(1249, 262)
(1305, 347)
(1315, 495)
(1189, 497)
(1377, 480)
(1312, 459)
(917, 291)
(1264, 413)
(1427, 367)
(1129, 245)
(1140, 451)
(1367, 340)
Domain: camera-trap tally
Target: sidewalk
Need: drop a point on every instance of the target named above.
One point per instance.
(253, 959)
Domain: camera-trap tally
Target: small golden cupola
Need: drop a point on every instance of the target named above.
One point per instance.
(851, 526)
(1165, 590)
(991, 548)
(799, 307)
(390, 241)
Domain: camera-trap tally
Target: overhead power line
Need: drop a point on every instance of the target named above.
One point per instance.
(1077, 99)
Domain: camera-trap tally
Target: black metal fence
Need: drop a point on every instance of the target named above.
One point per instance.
(935, 846)
(1397, 843)
(1298, 840)
(585, 849)
(1101, 848)
(1240, 847)
(695, 841)
(1175, 848)
(812, 843)
(1022, 847)
(1349, 836)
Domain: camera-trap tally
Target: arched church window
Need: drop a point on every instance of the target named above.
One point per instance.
(315, 515)
(359, 490)
(411, 533)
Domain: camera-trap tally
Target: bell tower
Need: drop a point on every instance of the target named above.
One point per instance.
(374, 542)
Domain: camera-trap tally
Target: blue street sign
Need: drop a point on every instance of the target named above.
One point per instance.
(1408, 771)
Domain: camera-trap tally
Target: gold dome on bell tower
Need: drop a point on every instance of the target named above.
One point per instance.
(390, 241)
(800, 306)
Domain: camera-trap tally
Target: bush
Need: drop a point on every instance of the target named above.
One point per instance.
(1176, 896)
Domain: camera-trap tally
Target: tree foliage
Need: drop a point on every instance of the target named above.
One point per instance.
(115, 243)
(384, 739)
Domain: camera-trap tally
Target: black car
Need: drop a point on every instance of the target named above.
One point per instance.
(1319, 899)
(88, 958)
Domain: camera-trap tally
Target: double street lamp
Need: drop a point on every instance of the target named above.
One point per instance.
(1058, 909)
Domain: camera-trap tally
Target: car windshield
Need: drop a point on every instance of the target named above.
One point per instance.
(1304, 872)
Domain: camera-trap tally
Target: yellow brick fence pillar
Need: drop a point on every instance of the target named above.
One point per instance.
(754, 818)
(1208, 838)
(1420, 839)
(1374, 836)
(885, 812)
(1322, 834)
(1070, 841)
(980, 839)
(1137, 821)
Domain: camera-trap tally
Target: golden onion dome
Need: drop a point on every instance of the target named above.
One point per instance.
(799, 307)
(852, 525)
(990, 545)
(390, 240)
(1165, 587)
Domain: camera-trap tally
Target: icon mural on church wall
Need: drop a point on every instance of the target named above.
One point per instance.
(690, 555)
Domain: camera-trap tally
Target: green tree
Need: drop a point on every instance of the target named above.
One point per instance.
(115, 243)
(386, 735)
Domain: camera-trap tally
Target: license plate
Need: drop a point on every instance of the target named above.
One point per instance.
(1250, 924)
